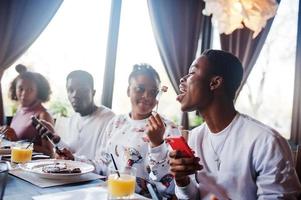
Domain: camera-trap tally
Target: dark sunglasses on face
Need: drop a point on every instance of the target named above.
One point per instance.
(140, 89)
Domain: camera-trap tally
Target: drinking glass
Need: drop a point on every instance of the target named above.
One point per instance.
(122, 187)
(21, 152)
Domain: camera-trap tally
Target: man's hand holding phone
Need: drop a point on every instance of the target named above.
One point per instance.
(45, 129)
(182, 161)
(46, 132)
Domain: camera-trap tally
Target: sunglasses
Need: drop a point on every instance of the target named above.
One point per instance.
(140, 89)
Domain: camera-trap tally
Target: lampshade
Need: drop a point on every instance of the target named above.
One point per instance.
(229, 15)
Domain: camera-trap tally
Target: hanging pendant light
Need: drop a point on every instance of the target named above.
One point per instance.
(229, 15)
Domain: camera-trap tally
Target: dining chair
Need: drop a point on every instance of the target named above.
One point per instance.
(4, 166)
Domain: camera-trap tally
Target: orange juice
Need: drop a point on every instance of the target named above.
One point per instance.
(21, 155)
(121, 186)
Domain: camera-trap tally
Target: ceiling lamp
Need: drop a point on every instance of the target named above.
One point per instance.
(229, 15)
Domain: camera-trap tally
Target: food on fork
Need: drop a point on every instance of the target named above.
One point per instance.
(60, 168)
(163, 89)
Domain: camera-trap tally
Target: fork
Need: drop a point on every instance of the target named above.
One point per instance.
(2, 133)
(163, 89)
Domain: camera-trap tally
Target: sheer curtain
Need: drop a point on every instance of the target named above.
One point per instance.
(176, 26)
(21, 22)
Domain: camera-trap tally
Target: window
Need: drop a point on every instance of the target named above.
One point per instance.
(137, 44)
(75, 39)
(268, 93)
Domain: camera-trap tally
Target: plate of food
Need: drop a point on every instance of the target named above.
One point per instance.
(5, 150)
(57, 169)
(5, 146)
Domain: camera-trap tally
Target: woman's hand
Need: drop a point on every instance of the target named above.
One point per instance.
(156, 130)
(181, 167)
(9, 133)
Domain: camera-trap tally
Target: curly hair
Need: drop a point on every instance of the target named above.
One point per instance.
(43, 87)
(144, 69)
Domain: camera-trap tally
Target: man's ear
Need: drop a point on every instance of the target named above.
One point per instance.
(216, 82)
(93, 93)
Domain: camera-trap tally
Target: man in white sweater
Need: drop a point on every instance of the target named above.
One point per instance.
(236, 157)
(84, 130)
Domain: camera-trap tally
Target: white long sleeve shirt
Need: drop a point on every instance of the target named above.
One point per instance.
(255, 163)
(83, 135)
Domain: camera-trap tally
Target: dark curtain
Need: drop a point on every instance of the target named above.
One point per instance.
(21, 22)
(176, 26)
(247, 49)
(206, 33)
(296, 116)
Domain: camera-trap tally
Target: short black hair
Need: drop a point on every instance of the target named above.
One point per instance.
(83, 76)
(43, 87)
(144, 69)
(228, 66)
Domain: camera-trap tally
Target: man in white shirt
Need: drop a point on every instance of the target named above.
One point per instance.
(236, 157)
(84, 130)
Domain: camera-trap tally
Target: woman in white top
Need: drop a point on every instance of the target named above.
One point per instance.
(137, 138)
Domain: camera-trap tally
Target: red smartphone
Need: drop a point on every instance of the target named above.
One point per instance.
(179, 143)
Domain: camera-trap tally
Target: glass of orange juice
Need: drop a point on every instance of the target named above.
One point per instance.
(122, 187)
(21, 152)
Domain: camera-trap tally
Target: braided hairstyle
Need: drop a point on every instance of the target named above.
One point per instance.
(146, 70)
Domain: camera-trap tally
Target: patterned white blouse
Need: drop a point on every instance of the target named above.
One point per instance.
(127, 140)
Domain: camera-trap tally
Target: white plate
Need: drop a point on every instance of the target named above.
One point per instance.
(37, 165)
(4, 151)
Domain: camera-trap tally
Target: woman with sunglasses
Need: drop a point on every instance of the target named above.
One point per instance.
(136, 139)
